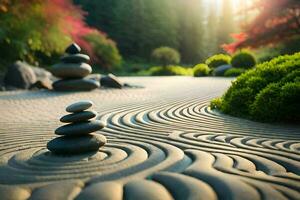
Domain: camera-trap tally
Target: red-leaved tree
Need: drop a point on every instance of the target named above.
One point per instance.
(277, 21)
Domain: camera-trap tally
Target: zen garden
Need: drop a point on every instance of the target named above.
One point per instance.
(150, 99)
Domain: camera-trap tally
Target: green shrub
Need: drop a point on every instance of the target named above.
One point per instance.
(277, 102)
(106, 52)
(243, 59)
(201, 70)
(216, 103)
(269, 92)
(267, 103)
(290, 106)
(233, 72)
(170, 71)
(166, 56)
(218, 60)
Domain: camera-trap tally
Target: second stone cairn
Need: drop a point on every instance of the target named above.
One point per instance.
(73, 70)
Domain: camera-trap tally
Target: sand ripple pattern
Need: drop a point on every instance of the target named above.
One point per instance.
(164, 142)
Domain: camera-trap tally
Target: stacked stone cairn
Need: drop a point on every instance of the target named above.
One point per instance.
(73, 70)
(77, 137)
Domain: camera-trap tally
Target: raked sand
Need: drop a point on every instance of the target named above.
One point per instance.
(164, 142)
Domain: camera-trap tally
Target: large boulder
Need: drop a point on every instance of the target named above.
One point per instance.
(41, 73)
(20, 75)
(220, 71)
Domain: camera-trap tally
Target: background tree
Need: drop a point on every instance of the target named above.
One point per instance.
(37, 30)
(211, 28)
(191, 30)
(277, 21)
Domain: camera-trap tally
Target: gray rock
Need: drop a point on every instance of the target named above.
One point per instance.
(76, 145)
(41, 73)
(71, 70)
(95, 77)
(42, 84)
(79, 106)
(75, 58)
(19, 75)
(78, 117)
(220, 71)
(73, 49)
(111, 81)
(80, 128)
(75, 85)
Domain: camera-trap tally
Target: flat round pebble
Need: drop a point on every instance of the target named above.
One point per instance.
(76, 85)
(79, 106)
(76, 145)
(79, 116)
(71, 70)
(81, 128)
(75, 58)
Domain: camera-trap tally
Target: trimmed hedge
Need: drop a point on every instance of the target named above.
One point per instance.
(170, 71)
(218, 60)
(233, 72)
(270, 92)
(243, 59)
(165, 56)
(201, 70)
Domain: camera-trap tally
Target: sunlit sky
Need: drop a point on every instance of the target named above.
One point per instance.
(237, 4)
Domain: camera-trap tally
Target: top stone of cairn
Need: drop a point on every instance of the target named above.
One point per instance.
(73, 49)
(79, 106)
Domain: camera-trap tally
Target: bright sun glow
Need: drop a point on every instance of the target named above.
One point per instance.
(238, 4)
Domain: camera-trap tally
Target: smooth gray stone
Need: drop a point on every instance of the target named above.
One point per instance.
(75, 58)
(76, 85)
(79, 106)
(76, 145)
(73, 49)
(78, 117)
(19, 75)
(111, 81)
(81, 128)
(71, 70)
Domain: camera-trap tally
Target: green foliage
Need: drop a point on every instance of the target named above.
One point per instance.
(165, 56)
(269, 92)
(105, 50)
(218, 60)
(201, 70)
(216, 103)
(23, 34)
(278, 102)
(170, 71)
(233, 72)
(243, 59)
(45, 29)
